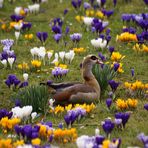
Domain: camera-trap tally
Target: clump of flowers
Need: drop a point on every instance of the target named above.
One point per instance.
(24, 66)
(140, 48)
(13, 82)
(60, 109)
(126, 104)
(137, 88)
(76, 37)
(123, 116)
(97, 141)
(58, 72)
(73, 115)
(36, 64)
(28, 36)
(57, 110)
(127, 37)
(65, 135)
(8, 124)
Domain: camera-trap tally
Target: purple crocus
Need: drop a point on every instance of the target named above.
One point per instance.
(103, 58)
(146, 107)
(67, 30)
(28, 131)
(18, 129)
(103, 2)
(5, 113)
(108, 102)
(76, 3)
(86, 5)
(12, 80)
(42, 36)
(108, 13)
(23, 84)
(60, 125)
(56, 29)
(124, 116)
(108, 126)
(16, 18)
(17, 102)
(26, 26)
(57, 37)
(116, 66)
(114, 2)
(111, 49)
(146, 2)
(99, 139)
(144, 139)
(114, 85)
(132, 72)
(65, 11)
(70, 117)
(76, 37)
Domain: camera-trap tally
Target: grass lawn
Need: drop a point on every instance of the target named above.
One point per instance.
(40, 22)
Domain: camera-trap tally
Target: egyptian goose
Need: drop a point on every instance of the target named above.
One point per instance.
(86, 92)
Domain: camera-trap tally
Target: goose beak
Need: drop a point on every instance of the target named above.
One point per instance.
(99, 62)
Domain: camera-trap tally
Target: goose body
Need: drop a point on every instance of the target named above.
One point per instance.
(86, 92)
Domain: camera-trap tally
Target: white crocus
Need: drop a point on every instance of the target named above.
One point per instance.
(51, 101)
(70, 55)
(34, 51)
(96, 42)
(24, 112)
(18, 26)
(99, 2)
(62, 55)
(27, 111)
(4, 62)
(17, 34)
(25, 76)
(88, 21)
(17, 112)
(97, 132)
(34, 8)
(56, 59)
(11, 61)
(17, 10)
(49, 54)
(103, 44)
(33, 115)
(1, 3)
(81, 141)
(99, 43)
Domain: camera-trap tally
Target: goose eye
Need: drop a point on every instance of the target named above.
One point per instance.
(93, 57)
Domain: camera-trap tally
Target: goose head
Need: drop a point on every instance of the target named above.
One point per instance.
(89, 61)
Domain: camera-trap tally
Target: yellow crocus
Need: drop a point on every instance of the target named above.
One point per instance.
(43, 130)
(106, 144)
(116, 56)
(36, 63)
(18, 143)
(121, 104)
(99, 14)
(36, 141)
(132, 103)
(5, 143)
(79, 50)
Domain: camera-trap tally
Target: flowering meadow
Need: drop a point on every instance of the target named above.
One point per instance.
(43, 42)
